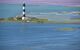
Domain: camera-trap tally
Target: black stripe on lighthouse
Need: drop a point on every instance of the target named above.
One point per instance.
(24, 4)
(23, 10)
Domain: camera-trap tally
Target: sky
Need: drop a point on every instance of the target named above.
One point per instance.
(52, 2)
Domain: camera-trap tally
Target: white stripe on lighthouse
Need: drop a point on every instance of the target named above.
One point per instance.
(23, 13)
(23, 8)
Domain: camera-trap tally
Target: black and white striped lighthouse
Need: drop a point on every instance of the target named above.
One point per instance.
(23, 17)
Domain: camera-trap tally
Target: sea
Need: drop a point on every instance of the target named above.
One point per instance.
(51, 12)
(39, 36)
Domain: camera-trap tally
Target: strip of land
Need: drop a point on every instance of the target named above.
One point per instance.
(38, 20)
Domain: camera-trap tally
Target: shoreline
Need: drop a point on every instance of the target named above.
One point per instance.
(36, 22)
(33, 20)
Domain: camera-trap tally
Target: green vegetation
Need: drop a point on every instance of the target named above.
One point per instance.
(66, 29)
(19, 19)
(36, 20)
(1, 19)
(76, 18)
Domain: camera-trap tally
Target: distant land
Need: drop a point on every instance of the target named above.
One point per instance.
(50, 13)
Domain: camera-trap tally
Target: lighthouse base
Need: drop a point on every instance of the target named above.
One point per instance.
(23, 18)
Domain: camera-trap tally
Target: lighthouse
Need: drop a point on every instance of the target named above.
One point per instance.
(23, 13)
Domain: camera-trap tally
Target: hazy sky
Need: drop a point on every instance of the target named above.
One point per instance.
(53, 2)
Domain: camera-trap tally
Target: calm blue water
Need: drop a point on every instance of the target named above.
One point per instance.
(29, 36)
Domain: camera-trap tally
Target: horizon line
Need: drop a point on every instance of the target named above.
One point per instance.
(42, 4)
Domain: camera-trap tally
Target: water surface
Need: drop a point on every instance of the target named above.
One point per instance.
(29, 36)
